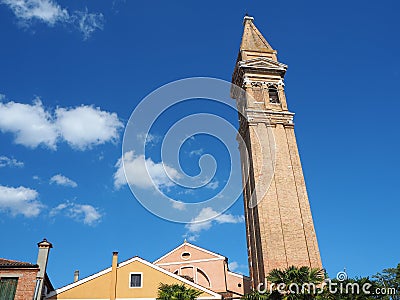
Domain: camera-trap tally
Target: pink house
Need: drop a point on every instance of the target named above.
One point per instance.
(205, 268)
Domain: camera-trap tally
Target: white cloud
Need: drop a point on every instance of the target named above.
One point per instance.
(51, 13)
(179, 205)
(10, 162)
(191, 237)
(46, 11)
(88, 22)
(187, 191)
(237, 268)
(31, 124)
(142, 172)
(211, 216)
(20, 200)
(149, 139)
(197, 152)
(62, 180)
(85, 126)
(85, 213)
(81, 127)
(228, 218)
(233, 266)
(212, 185)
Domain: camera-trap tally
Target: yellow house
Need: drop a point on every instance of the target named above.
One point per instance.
(135, 278)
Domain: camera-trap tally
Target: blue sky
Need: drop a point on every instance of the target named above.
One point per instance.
(64, 65)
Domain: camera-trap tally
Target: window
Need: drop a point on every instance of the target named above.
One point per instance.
(273, 94)
(136, 280)
(8, 286)
(185, 255)
(258, 94)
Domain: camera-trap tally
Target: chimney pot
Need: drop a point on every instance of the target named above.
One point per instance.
(76, 275)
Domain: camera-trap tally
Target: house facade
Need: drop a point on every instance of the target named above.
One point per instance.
(205, 268)
(25, 281)
(135, 278)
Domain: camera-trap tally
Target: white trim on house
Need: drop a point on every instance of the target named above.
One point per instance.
(237, 275)
(189, 261)
(193, 246)
(145, 262)
(79, 282)
(12, 275)
(199, 287)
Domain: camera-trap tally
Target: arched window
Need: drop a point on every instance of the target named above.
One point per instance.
(273, 94)
(203, 279)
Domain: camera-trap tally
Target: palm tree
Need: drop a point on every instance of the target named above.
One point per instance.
(176, 292)
(256, 295)
(295, 283)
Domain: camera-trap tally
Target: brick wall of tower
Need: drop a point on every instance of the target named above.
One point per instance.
(280, 229)
(283, 223)
(309, 231)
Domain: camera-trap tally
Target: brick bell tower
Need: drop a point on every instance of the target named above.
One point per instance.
(279, 225)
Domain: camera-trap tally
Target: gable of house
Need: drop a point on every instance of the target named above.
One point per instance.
(187, 251)
(98, 286)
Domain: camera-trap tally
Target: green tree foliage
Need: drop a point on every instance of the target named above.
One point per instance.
(255, 295)
(351, 289)
(176, 292)
(295, 282)
(390, 279)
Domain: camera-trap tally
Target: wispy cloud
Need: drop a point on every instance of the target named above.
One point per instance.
(179, 205)
(85, 213)
(63, 180)
(20, 201)
(197, 152)
(149, 139)
(51, 13)
(10, 162)
(212, 185)
(143, 173)
(81, 127)
(205, 220)
(234, 266)
(87, 22)
(46, 11)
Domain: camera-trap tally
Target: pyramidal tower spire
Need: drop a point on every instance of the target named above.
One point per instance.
(279, 228)
(252, 39)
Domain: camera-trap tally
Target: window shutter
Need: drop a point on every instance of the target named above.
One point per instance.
(8, 286)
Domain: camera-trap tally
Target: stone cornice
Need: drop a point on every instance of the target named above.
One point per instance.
(271, 118)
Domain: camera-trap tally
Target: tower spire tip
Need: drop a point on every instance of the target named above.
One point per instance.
(247, 17)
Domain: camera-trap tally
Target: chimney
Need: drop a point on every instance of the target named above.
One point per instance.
(43, 256)
(76, 275)
(113, 283)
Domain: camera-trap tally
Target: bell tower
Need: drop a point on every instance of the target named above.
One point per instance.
(279, 224)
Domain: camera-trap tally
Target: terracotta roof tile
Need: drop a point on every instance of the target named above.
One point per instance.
(8, 263)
